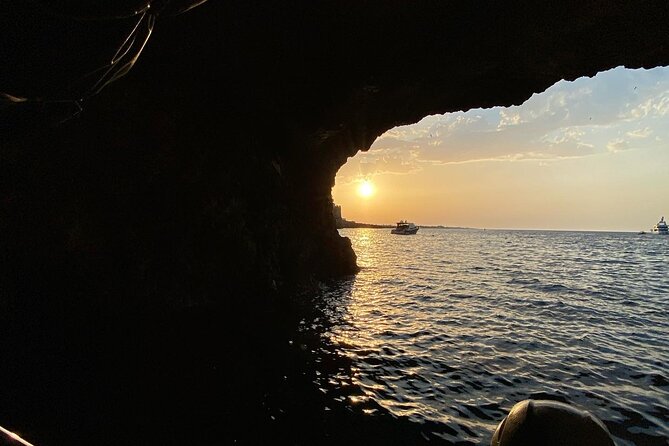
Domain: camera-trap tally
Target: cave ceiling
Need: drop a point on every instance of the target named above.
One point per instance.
(315, 66)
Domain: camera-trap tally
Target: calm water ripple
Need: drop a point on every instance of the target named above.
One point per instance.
(450, 328)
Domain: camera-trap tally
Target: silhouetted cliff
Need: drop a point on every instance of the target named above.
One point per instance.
(204, 174)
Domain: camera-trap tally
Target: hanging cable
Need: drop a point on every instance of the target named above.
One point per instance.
(123, 59)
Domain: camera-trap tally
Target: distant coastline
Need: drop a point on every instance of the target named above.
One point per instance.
(341, 224)
(354, 224)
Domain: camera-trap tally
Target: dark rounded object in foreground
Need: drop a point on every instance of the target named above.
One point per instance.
(550, 423)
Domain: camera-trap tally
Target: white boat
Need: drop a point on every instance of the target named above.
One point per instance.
(404, 228)
(660, 228)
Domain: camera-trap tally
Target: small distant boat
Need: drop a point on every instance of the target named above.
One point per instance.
(660, 228)
(642, 232)
(404, 228)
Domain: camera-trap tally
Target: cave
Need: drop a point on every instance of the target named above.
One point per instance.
(200, 179)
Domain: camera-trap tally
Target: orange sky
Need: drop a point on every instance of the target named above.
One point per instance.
(592, 154)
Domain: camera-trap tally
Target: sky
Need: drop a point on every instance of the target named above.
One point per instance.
(592, 154)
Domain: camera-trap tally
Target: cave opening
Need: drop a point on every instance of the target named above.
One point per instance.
(582, 155)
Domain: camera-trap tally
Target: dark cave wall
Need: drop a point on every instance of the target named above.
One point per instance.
(204, 175)
(138, 205)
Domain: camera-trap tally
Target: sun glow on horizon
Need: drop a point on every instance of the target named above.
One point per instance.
(366, 189)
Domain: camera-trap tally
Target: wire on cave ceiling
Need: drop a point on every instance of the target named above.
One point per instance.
(124, 58)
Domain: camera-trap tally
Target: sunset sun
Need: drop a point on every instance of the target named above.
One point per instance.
(366, 189)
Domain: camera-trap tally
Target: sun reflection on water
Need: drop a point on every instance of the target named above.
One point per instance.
(454, 327)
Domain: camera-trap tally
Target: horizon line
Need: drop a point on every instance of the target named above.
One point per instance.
(442, 226)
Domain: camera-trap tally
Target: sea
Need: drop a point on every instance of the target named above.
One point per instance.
(431, 343)
(447, 329)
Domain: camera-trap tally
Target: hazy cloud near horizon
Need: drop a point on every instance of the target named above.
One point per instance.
(615, 111)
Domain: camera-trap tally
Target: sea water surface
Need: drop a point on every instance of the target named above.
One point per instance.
(450, 328)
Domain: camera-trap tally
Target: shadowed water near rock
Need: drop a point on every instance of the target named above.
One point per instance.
(202, 376)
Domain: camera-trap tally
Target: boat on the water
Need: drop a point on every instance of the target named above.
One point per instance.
(660, 228)
(404, 228)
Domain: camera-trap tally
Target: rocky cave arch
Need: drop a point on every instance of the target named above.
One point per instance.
(202, 179)
(204, 175)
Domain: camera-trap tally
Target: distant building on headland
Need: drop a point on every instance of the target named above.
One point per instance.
(336, 213)
(341, 222)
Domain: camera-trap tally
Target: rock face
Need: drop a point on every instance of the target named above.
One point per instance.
(204, 174)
